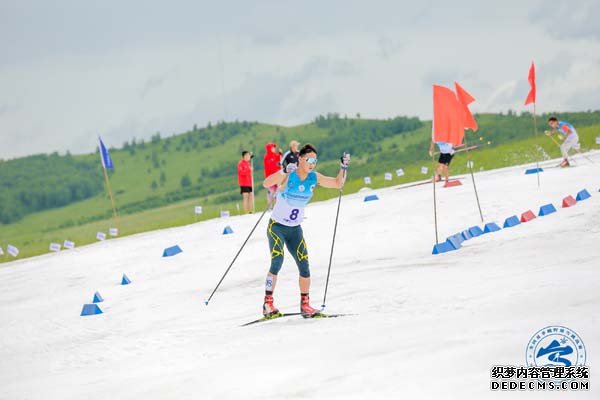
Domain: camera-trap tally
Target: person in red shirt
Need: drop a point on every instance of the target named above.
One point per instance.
(272, 164)
(245, 181)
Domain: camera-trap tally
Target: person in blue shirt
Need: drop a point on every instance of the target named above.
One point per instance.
(446, 154)
(567, 133)
(297, 184)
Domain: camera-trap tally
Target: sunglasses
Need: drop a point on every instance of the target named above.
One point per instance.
(311, 160)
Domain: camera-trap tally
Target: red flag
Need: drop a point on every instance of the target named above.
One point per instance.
(464, 98)
(531, 96)
(447, 117)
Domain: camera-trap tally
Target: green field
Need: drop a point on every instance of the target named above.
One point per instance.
(211, 169)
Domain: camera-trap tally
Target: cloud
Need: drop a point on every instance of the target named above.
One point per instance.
(139, 68)
(264, 38)
(284, 98)
(345, 68)
(448, 75)
(567, 19)
(502, 97)
(389, 47)
(6, 109)
(151, 83)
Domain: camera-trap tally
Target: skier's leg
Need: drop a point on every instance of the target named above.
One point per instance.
(439, 170)
(275, 237)
(295, 243)
(564, 149)
(447, 167)
(571, 142)
(297, 246)
(270, 283)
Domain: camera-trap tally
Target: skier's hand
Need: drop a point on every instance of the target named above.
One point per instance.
(561, 137)
(430, 153)
(345, 160)
(291, 167)
(548, 133)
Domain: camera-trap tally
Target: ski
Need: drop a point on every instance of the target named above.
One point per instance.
(271, 317)
(281, 315)
(427, 182)
(323, 315)
(558, 166)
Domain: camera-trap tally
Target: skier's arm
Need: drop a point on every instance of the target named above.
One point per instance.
(565, 130)
(275, 178)
(330, 182)
(340, 179)
(431, 149)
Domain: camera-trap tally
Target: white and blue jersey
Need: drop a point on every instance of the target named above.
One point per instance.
(565, 127)
(291, 201)
(445, 148)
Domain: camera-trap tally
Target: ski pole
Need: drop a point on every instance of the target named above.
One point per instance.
(586, 157)
(238, 253)
(337, 214)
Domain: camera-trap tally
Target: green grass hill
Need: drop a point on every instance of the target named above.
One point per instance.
(157, 183)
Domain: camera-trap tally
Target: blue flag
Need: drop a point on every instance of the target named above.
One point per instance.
(105, 157)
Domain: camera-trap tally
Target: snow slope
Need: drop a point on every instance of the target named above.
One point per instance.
(427, 326)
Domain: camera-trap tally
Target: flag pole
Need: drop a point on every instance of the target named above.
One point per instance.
(531, 99)
(252, 195)
(112, 200)
(470, 164)
(434, 197)
(537, 156)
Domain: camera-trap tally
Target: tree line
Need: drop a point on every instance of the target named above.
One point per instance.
(41, 182)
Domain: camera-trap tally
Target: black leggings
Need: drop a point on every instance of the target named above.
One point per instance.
(293, 238)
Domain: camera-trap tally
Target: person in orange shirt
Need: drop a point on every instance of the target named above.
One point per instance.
(272, 164)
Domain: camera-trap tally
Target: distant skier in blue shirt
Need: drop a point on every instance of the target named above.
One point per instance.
(446, 154)
(297, 184)
(568, 134)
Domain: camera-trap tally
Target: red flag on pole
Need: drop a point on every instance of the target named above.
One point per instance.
(464, 98)
(448, 123)
(531, 96)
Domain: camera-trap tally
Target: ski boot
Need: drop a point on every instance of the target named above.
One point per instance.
(269, 309)
(305, 309)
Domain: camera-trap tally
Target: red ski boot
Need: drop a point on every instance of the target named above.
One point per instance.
(269, 309)
(305, 309)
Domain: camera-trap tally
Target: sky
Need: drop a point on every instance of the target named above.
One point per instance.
(72, 70)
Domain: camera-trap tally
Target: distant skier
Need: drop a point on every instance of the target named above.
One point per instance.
(446, 154)
(244, 170)
(567, 133)
(271, 163)
(290, 156)
(297, 185)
